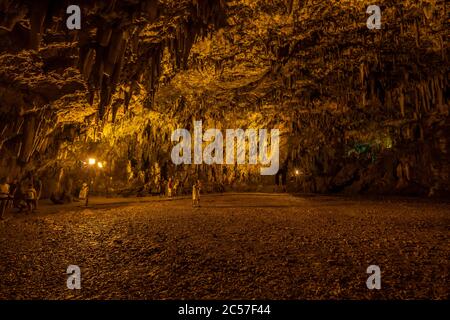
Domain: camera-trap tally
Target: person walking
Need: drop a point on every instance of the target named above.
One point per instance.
(4, 197)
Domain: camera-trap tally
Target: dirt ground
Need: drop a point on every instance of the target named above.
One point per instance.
(236, 246)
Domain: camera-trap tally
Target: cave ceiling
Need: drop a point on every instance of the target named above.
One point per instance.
(224, 54)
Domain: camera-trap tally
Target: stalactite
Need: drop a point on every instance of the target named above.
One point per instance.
(440, 96)
(98, 69)
(120, 61)
(433, 92)
(114, 51)
(417, 33)
(38, 15)
(416, 100)
(423, 97)
(88, 63)
(105, 97)
(362, 72)
(401, 101)
(27, 139)
(104, 35)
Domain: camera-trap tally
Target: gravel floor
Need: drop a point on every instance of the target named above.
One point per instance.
(236, 246)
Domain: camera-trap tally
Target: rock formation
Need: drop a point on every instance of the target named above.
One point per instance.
(360, 111)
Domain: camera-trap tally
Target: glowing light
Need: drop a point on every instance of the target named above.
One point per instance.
(92, 161)
(100, 165)
(297, 172)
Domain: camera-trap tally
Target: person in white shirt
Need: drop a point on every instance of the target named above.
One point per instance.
(31, 198)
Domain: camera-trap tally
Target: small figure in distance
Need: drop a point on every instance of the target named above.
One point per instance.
(84, 193)
(31, 198)
(19, 197)
(169, 188)
(14, 186)
(176, 184)
(196, 194)
(4, 197)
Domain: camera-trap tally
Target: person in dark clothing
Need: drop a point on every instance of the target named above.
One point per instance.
(19, 198)
(14, 186)
(37, 184)
(31, 198)
(4, 197)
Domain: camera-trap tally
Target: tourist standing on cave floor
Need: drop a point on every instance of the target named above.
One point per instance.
(176, 184)
(4, 197)
(169, 188)
(31, 198)
(84, 193)
(37, 184)
(14, 186)
(196, 194)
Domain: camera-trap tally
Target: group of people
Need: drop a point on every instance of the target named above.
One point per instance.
(18, 196)
(196, 188)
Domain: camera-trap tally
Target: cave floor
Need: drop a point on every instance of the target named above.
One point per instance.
(236, 246)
